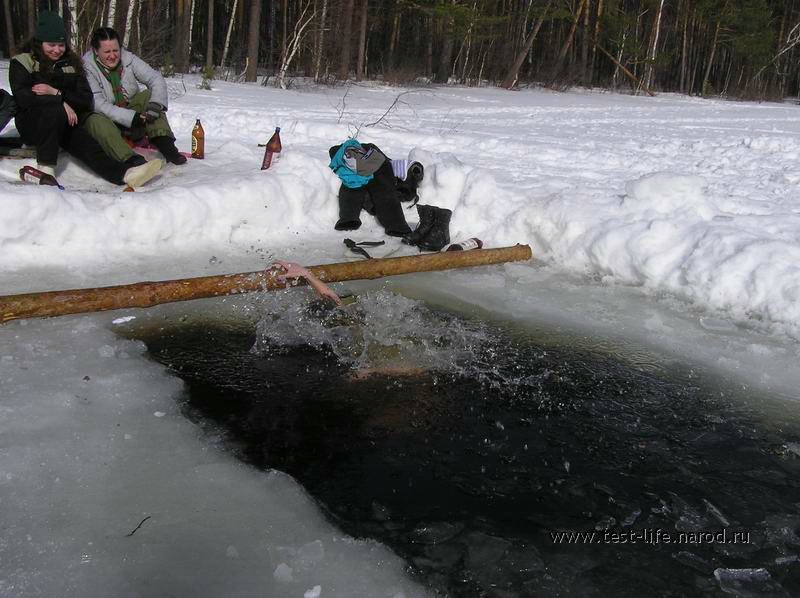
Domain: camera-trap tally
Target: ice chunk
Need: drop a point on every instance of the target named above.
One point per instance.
(123, 319)
(106, 351)
(606, 522)
(483, 549)
(313, 592)
(748, 583)
(694, 561)
(433, 533)
(310, 554)
(631, 519)
(283, 573)
(716, 513)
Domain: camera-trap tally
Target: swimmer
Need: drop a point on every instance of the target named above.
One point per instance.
(332, 309)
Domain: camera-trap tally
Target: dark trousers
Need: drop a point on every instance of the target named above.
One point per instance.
(47, 129)
(378, 197)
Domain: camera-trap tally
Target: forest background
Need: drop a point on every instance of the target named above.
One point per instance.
(734, 48)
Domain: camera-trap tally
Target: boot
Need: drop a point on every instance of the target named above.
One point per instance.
(426, 217)
(135, 160)
(166, 145)
(137, 176)
(439, 234)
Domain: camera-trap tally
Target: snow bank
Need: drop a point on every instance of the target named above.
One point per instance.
(669, 194)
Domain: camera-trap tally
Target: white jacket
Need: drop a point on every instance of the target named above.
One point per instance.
(136, 75)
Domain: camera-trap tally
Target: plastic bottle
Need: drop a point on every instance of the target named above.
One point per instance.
(473, 243)
(273, 147)
(198, 141)
(34, 175)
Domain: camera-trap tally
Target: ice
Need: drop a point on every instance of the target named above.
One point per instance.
(748, 583)
(283, 573)
(435, 532)
(675, 242)
(484, 549)
(314, 592)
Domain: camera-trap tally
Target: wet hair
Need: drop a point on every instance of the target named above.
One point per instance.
(104, 34)
(321, 307)
(34, 46)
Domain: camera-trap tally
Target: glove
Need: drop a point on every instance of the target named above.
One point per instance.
(154, 110)
(143, 118)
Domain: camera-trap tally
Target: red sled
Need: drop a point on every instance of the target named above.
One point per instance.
(144, 148)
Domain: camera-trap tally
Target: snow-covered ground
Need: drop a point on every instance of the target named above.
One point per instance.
(668, 225)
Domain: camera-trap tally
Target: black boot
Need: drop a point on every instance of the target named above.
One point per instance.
(426, 220)
(439, 234)
(166, 145)
(135, 160)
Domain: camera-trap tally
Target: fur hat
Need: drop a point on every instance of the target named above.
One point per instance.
(50, 27)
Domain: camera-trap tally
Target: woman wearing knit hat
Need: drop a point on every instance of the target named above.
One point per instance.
(54, 100)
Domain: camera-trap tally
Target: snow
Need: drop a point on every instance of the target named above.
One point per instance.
(667, 228)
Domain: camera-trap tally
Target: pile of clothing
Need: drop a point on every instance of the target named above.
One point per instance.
(373, 182)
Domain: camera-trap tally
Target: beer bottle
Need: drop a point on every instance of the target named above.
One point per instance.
(273, 147)
(473, 243)
(34, 175)
(198, 141)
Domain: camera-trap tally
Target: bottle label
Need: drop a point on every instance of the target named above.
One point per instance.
(469, 244)
(194, 144)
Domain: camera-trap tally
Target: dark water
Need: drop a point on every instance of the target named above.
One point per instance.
(468, 473)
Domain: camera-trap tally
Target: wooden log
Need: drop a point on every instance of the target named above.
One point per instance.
(147, 294)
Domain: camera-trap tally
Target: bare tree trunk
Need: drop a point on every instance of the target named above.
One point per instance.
(447, 49)
(228, 35)
(295, 40)
(126, 36)
(12, 46)
(684, 52)
(210, 36)
(112, 14)
(596, 37)
(618, 60)
(362, 41)
(567, 43)
(31, 18)
(120, 16)
(710, 58)
(179, 40)
(321, 40)
(429, 51)
(285, 18)
(347, 32)
(585, 43)
(190, 29)
(649, 77)
(74, 30)
(513, 72)
(253, 40)
(394, 35)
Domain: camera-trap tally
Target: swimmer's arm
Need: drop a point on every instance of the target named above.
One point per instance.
(292, 270)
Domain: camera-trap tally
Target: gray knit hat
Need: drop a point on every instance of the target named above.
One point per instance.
(50, 27)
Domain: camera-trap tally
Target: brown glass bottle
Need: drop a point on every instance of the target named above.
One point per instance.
(273, 147)
(198, 141)
(34, 175)
(473, 243)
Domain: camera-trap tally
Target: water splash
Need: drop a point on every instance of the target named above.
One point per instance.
(378, 330)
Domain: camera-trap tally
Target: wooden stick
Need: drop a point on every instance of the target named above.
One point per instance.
(147, 294)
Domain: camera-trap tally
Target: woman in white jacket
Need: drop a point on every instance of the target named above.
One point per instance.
(130, 99)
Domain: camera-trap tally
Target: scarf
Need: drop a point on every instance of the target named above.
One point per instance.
(114, 77)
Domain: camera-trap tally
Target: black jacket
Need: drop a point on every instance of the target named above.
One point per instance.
(24, 72)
